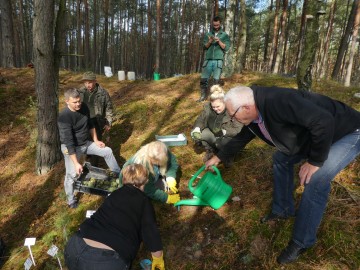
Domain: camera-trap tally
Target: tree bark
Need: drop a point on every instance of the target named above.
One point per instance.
(304, 76)
(281, 38)
(353, 46)
(230, 57)
(344, 41)
(158, 35)
(48, 145)
(7, 34)
(275, 39)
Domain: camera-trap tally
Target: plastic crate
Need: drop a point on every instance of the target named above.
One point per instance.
(90, 171)
(173, 140)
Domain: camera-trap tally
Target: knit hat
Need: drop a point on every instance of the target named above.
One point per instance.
(89, 76)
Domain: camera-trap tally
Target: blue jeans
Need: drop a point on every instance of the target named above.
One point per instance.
(80, 256)
(89, 148)
(314, 198)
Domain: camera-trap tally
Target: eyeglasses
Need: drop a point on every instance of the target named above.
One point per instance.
(233, 116)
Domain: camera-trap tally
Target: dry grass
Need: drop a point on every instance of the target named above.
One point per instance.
(194, 237)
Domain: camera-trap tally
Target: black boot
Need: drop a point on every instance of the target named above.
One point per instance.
(203, 87)
(203, 95)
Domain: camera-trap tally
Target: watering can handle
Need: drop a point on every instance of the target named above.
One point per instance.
(191, 188)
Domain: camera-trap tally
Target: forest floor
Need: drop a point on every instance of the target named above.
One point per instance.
(194, 238)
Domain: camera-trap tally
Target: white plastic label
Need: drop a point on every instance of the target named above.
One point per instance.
(28, 263)
(53, 250)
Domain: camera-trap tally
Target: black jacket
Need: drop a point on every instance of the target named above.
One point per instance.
(298, 122)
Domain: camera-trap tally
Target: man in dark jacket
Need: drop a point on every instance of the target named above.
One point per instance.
(74, 127)
(99, 103)
(216, 43)
(303, 126)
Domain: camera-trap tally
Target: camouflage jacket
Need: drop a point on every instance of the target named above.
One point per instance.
(103, 108)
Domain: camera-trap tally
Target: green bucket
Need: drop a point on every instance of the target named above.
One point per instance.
(210, 190)
(156, 76)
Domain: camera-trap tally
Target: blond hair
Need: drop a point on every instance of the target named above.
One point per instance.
(135, 174)
(216, 92)
(153, 153)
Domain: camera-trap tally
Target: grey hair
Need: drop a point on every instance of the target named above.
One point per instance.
(216, 92)
(71, 93)
(240, 96)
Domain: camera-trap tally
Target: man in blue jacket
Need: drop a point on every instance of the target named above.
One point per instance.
(216, 43)
(303, 126)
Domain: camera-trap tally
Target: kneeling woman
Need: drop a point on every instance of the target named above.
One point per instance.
(214, 127)
(110, 239)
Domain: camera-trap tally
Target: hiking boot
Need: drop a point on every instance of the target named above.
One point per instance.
(74, 205)
(272, 217)
(290, 253)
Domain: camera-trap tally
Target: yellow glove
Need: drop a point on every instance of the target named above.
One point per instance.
(158, 263)
(171, 182)
(174, 198)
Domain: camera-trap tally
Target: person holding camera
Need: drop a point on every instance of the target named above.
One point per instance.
(216, 43)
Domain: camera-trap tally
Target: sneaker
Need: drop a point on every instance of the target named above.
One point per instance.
(290, 253)
(73, 205)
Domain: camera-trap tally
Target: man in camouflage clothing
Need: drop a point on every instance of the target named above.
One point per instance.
(99, 103)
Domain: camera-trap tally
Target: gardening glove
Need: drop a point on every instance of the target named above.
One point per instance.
(171, 182)
(173, 198)
(223, 132)
(158, 263)
(196, 134)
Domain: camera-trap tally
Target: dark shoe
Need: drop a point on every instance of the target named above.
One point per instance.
(73, 205)
(271, 217)
(290, 253)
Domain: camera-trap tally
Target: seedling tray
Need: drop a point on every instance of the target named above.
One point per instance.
(172, 140)
(89, 172)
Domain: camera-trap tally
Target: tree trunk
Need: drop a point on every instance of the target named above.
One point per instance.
(324, 61)
(304, 76)
(48, 145)
(87, 52)
(344, 41)
(158, 35)
(230, 57)
(301, 34)
(353, 46)
(239, 64)
(274, 44)
(7, 34)
(282, 37)
(267, 35)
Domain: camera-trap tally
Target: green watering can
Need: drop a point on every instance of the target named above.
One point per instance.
(210, 190)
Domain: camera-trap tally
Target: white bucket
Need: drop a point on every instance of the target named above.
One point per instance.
(131, 75)
(121, 75)
(107, 71)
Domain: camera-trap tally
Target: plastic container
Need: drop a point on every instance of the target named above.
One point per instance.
(121, 75)
(90, 171)
(131, 75)
(156, 76)
(173, 140)
(210, 190)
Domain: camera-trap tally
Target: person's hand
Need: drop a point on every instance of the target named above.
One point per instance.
(78, 168)
(217, 39)
(171, 182)
(196, 134)
(173, 198)
(306, 171)
(100, 144)
(214, 161)
(211, 39)
(158, 263)
(106, 128)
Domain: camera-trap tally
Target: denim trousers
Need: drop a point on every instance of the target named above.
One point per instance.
(89, 148)
(80, 256)
(315, 196)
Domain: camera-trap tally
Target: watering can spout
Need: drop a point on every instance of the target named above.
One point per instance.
(192, 202)
(210, 190)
